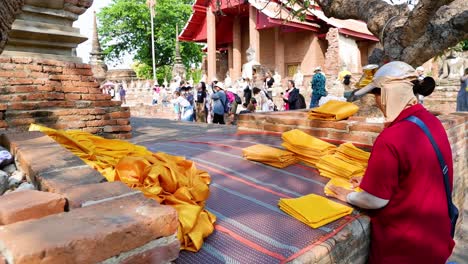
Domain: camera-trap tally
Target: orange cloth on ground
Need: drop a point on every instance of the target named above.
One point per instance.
(334, 111)
(272, 156)
(170, 180)
(313, 210)
(308, 149)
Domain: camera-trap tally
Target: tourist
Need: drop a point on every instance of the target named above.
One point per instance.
(219, 103)
(250, 107)
(318, 87)
(421, 76)
(185, 110)
(294, 99)
(112, 92)
(156, 95)
(462, 98)
(403, 185)
(285, 96)
(201, 103)
(268, 83)
(247, 91)
(262, 100)
(122, 93)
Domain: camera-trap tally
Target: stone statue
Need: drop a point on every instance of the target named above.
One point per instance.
(165, 83)
(228, 80)
(299, 78)
(277, 78)
(453, 67)
(247, 68)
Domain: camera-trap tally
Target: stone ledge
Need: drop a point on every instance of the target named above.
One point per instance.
(25, 205)
(350, 245)
(97, 232)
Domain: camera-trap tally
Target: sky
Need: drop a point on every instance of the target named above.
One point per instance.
(85, 24)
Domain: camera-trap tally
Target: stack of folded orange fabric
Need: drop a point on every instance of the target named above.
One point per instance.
(351, 154)
(308, 149)
(313, 210)
(347, 162)
(333, 111)
(271, 156)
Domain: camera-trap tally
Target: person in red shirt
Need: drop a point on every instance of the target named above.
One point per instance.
(403, 184)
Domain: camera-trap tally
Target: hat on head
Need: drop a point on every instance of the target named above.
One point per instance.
(420, 68)
(220, 85)
(396, 83)
(318, 69)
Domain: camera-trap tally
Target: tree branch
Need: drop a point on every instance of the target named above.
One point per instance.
(446, 29)
(418, 19)
(375, 13)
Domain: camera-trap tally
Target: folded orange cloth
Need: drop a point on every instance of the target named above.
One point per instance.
(271, 156)
(334, 111)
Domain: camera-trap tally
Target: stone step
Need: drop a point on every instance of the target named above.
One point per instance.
(117, 231)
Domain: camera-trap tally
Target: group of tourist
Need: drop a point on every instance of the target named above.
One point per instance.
(120, 94)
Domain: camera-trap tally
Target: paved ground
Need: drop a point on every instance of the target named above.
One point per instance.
(153, 130)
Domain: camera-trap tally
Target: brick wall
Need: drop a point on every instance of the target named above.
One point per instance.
(9, 9)
(58, 94)
(105, 222)
(358, 131)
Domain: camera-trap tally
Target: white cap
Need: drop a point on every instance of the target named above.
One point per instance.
(318, 69)
(420, 68)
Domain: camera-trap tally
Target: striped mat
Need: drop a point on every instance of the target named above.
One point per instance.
(244, 197)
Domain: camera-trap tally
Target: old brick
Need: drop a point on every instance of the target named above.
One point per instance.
(82, 66)
(58, 181)
(8, 66)
(36, 68)
(357, 137)
(84, 194)
(85, 72)
(41, 81)
(76, 125)
(26, 205)
(73, 97)
(110, 129)
(122, 121)
(277, 128)
(21, 60)
(97, 232)
(74, 89)
(60, 77)
(34, 139)
(3, 124)
(100, 123)
(250, 125)
(40, 75)
(20, 81)
(118, 115)
(52, 69)
(86, 84)
(55, 63)
(23, 106)
(15, 74)
(93, 130)
(5, 59)
(162, 252)
(94, 90)
(119, 136)
(367, 127)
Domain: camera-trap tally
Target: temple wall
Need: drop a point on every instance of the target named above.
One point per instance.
(58, 94)
(267, 48)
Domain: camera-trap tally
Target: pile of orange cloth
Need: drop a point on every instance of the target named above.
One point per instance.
(307, 148)
(333, 111)
(171, 180)
(314, 210)
(347, 162)
(351, 154)
(271, 156)
(339, 182)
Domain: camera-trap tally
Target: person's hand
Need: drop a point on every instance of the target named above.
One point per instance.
(356, 181)
(339, 193)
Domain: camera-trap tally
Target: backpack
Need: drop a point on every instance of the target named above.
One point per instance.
(300, 103)
(347, 80)
(230, 97)
(238, 99)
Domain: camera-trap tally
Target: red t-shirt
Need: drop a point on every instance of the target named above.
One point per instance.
(415, 226)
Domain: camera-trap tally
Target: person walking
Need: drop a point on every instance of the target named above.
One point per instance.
(318, 87)
(201, 103)
(405, 184)
(219, 103)
(462, 98)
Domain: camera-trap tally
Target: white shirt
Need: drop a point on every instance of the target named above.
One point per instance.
(182, 101)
